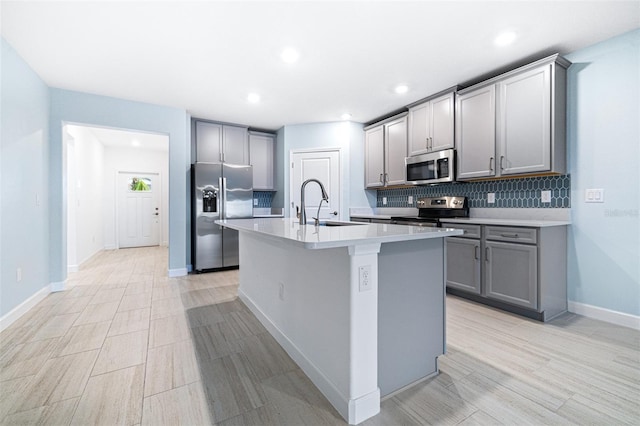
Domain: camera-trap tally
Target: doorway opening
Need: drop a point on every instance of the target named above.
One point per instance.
(96, 159)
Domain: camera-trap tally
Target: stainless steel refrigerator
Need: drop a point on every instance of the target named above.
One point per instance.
(219, 191)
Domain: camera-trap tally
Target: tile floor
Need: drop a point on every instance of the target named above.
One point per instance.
(124, 344)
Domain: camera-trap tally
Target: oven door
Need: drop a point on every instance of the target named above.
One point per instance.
(435, 167)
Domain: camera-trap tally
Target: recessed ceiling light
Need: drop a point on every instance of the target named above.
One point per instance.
(254, 98)
(346, 116)
(401, 89)
(505, 39)
(290, 55)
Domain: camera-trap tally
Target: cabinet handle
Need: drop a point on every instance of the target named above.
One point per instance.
(486, 254)
(386, 178)
(475, 252)
(490, 164)
(501, 159)
(426, 141)
(381, 181)
(509, 235)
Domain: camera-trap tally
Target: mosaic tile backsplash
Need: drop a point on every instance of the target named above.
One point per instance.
(510, 193)
(264, 199)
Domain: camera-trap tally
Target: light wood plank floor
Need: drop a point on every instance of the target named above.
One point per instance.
(126, 345)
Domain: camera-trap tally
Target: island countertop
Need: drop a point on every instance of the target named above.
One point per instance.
(321, 237)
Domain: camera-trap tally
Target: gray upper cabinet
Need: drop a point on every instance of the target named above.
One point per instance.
(374, 157)
(514, 124)
(476, 133)
(524, 115)
(221, 143)
(385, 151)
(431, 125)
(395, 151)
(261, 156)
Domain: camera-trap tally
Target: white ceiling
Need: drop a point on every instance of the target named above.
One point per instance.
(206, 57)
(116, 138)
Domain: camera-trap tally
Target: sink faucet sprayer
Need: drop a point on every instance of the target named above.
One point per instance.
(303, 214)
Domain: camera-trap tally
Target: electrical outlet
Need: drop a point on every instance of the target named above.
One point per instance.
(384, 201)
(545, 196)
(410, 199)
(255, 201)
(281, 291)
(491, 197)
(18, 275)
(365, 277)
(594, 196)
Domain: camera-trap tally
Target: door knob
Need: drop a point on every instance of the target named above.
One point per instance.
(335, 213)
(156, 214)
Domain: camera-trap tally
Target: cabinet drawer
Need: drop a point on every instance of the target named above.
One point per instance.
(511, 234)
(470, 231)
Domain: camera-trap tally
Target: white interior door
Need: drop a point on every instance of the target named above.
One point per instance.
(321, 165)
(138, 209)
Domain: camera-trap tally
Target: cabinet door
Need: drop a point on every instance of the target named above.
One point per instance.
(208, 142)
(396, 151)
(261, 155)
(374, 161)
(475, 133)
(512, 273)
(235, 145)
(463, 264)
(418, 129)
(441, 128)
(524, 122)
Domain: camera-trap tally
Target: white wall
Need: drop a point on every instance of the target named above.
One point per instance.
(87, 199)
(133, 160)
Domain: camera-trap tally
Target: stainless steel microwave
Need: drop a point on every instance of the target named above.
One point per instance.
(434, 167)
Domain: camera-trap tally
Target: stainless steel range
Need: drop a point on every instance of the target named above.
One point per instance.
(432, 209)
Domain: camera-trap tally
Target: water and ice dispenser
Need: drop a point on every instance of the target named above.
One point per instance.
(209, 200)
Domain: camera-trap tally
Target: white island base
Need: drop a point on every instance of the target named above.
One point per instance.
(362, 320)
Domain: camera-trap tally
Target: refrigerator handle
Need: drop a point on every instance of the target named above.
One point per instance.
(221, 199)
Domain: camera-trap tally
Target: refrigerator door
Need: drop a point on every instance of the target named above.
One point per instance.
(237, 184)
(207, 208)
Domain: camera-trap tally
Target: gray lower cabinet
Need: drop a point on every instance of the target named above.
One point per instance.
(520, 269)
(511, 273)
(463, 264)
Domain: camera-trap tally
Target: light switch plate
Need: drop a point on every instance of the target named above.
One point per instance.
(491, 197)
(545, 196)
(594, 195)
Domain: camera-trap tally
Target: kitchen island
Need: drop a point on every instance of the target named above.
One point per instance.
(360, 308)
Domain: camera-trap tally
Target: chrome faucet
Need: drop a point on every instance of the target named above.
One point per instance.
(303, 214)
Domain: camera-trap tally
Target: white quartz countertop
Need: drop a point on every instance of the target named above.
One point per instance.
(532, 223)
(312, 237)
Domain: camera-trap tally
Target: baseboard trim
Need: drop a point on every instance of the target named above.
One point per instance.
(354, 410)
(58, 286)
(110, 247)
(178, 272)
(603, 314)
(13, 315)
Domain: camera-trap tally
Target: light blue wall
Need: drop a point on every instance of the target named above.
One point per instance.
(24, 224)
(345, 135)
(82, 108)
(604, 139)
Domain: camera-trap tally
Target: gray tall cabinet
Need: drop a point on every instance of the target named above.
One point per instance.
(515, 123)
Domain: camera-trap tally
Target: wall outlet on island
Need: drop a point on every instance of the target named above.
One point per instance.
(365, 278)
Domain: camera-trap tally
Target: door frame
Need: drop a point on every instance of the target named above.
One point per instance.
(340, 175)
(117, 204)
